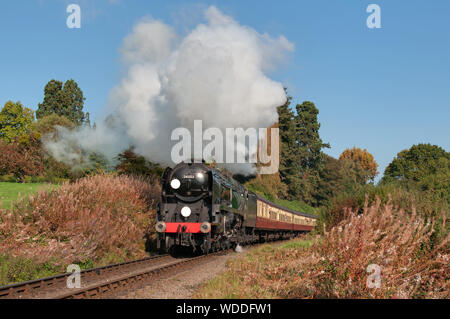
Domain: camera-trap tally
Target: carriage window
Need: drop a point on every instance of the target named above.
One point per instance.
(273, 215)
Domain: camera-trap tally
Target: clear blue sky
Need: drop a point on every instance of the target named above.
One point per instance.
(381, 89)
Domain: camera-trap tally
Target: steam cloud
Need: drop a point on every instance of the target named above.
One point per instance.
(216, 73)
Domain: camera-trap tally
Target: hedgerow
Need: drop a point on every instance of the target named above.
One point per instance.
(97, 220)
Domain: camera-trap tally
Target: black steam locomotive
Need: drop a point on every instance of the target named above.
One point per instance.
(206, 210)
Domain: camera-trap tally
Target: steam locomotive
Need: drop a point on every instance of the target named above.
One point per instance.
(208, 211)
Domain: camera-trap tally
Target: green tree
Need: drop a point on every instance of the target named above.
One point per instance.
(309, 143)
(47, 123)
(52, 103)
(300, 150)
(99, 163)
(286, 127)
(74, 99)
(331, 181)
(132, 164)
(307, 153)
(65, 100)
(423, 165)
(338, 177)
(16, 122)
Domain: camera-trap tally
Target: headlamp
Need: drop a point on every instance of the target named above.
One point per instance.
(175, 183)
(186, 211)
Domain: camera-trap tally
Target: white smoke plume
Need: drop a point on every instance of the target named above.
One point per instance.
(216, 73)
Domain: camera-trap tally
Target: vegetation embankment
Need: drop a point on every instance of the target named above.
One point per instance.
(403, 236)
(405, 232)
(382, 252)
(94, 221)
(260, 187)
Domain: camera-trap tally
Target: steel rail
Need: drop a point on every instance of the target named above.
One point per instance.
(129, 280)
(23, 289)
(102, 281)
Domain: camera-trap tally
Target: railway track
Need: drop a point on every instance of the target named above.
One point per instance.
(100, 282)
(106, 281)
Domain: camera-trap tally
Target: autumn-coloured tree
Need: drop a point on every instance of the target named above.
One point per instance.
(20, 160)
(364, 159)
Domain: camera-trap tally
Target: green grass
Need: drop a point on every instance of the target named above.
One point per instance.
(296, 205)
(10, 192)
(19, 269)
(297, 244)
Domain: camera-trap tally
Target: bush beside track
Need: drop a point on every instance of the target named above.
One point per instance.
(94, 221)
(414, 264)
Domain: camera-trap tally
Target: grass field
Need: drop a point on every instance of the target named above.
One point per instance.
(297, 206)
(10, 192)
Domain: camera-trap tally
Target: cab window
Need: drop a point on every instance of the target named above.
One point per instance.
(226, 196)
